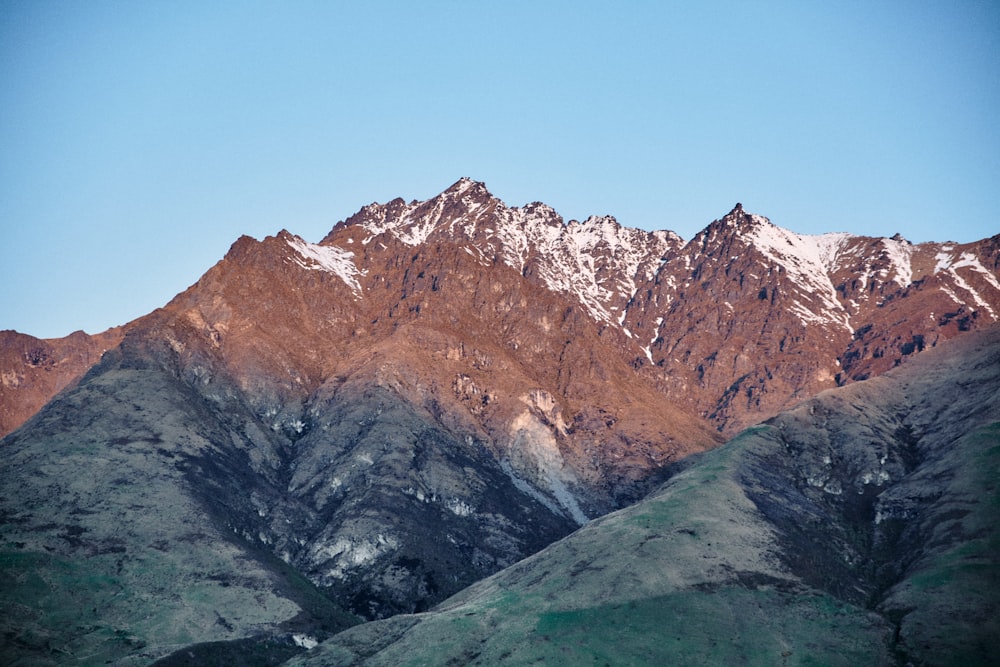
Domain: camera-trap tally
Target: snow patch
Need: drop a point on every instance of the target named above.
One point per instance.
(948, 263)
(598, 261)
(331, 259)
(944, 260)
(656, 334)
(900, 255)
(807, 259)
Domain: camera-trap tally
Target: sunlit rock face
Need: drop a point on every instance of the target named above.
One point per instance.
(739, 322)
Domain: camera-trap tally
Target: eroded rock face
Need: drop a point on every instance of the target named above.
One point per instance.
(33, 370)
(743, 320)
(748, 318)
(409, 511)
(376, 455)
(858, 528)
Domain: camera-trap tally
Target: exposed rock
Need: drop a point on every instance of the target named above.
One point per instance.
(743, 320)
(859, 528)
(33, 370)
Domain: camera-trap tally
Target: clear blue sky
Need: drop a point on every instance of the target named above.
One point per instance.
(138, 140)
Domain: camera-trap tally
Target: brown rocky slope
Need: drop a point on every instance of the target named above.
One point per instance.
(742, 320)
(34, 370)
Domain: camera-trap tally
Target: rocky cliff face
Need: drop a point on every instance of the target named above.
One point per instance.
(748, 318)
(433, 392)
(859, 528)
(736, 324)
(33, 370)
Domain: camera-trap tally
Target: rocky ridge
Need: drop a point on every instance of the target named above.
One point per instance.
(33, 370)
(789, 314)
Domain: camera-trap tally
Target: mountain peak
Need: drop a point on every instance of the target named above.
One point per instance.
(738, 222)
(740, 216)
(466, 184)
(467, 193)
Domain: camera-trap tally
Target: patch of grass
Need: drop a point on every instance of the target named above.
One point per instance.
(731, 626)
(62, 623)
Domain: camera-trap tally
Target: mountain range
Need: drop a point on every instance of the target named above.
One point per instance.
(319, 434)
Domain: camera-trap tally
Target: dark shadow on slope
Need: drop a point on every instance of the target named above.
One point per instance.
(248, 652)
(831, 536)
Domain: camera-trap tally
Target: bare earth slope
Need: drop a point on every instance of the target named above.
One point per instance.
(862, 527)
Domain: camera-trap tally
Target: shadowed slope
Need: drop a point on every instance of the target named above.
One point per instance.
(127, 508)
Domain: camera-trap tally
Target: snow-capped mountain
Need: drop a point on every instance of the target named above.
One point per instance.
(739, 322)
(742, 320)
(439, 388)
(597, 261)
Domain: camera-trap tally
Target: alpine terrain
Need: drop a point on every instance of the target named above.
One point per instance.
(315, 435)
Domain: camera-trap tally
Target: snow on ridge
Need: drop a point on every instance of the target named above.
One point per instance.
(828, 246)
(947, 263)
(944, 260)
(569, 257)
(900, 254)
(419, 219)
(968, 259)
(326, 258)
(807, 259)
(585, 255)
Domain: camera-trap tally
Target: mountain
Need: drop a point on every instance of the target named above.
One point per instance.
(789, 314)
(861, 527)
(362, 427)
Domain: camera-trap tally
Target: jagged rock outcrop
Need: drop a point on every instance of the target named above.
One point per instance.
(392, 434)
(748, 318)
(741, 321)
